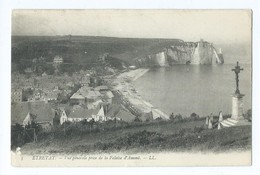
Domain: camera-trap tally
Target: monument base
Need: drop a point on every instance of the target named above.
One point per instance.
(237, 117)
(229, 122)
(237, 107)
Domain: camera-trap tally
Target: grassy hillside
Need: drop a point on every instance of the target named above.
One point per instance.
(84, 49)
(153, 137)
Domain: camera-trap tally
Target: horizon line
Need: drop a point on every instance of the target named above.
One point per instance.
(97, 36)
(116, 37)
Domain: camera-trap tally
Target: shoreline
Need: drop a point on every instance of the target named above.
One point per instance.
(123, 84)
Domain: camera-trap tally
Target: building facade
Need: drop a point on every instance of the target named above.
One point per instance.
(17, 95)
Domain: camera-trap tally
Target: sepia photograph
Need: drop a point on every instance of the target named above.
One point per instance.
(131, 87)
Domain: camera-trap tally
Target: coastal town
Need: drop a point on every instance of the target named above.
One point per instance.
(54, 99)
(52, 95)
(75, 98)
(86, 93)
(127, 88)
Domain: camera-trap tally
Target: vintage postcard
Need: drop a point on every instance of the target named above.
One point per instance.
(131, 88)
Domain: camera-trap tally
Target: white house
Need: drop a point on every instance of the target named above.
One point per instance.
(63, 117)
(100, 116)
(58, 60)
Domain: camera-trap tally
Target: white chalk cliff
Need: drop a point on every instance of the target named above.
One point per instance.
(203, 53)
(161, 59)
(196, 53)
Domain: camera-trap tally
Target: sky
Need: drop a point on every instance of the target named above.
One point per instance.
(219, 26)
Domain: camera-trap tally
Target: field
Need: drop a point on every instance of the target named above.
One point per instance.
(152, 137)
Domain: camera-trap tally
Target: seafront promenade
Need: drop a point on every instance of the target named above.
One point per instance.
(123, 85)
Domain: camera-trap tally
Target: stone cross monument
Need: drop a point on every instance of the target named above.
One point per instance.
(237, 71)
(237, 97)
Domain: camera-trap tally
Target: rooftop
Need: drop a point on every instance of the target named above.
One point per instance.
(77, 96)
(42, 110)
(82, 113)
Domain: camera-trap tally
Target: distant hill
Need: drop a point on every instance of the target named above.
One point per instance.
(84, 49)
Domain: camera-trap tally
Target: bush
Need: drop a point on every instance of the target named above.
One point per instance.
(194, 115)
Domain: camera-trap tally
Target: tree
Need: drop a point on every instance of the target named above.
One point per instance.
(17, 136)
(49, 69)
(194, 115)
(56, 119)
(63, 98)
(172, 116)
(178, 117)
(26, 94)
(92, 122)
(36, 126)
(248, 115)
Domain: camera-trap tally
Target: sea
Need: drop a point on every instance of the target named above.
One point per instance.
(203, 89)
